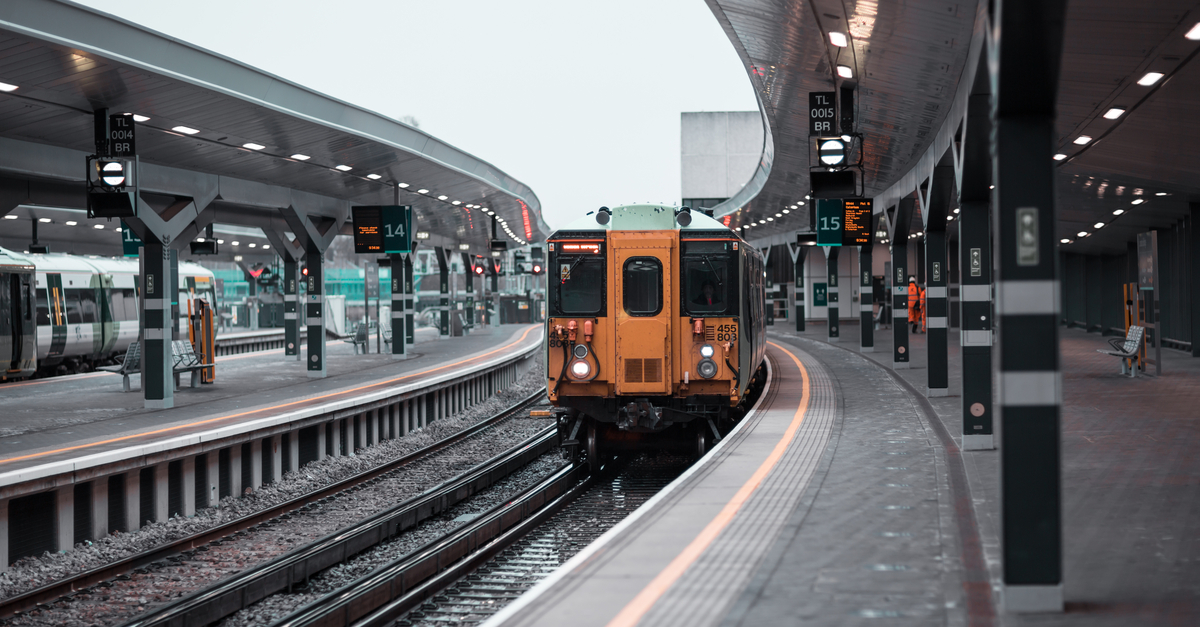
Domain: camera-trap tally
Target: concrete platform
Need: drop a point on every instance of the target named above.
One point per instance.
(59, 418)
(874, 515)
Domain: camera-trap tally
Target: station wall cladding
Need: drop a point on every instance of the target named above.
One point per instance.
(1093, 297)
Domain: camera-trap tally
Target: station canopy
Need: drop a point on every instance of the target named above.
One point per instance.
(206, 117)
(910, 66)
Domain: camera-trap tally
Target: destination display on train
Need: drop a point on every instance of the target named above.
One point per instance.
(382, 228)
(856, 229)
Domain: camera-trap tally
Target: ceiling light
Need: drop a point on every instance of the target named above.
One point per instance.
(343, 168)
(1138, 201)
(1117, 212)
(422, 191)
(7, 87)
(220, 241)
(98, 226)
(44, 220)
(185, 130)
(956, 210)
(1064, 241)
(1082, 234)
(806, 197)
(253, 245)
(1161, 194)
(266, 246)
(1082, 139)
(1113, 113)
(200, 239)
(1150, 78)
(787, 210)
(139, 118)
(801, 203)
(300, 157)
(402, 185)
(770, 219)
(1194, 34)
(844, 71)
(456, 202)
(443, 197)
(949, 218)
(374, 177)
(235, 242)
(779, 215)
(1098, 225)
(1059, 157)
(253, 146)
(69, 222)
(837, 39)
(10, 217)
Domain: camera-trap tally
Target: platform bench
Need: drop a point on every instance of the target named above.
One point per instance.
(184, 357)
(1127, 349)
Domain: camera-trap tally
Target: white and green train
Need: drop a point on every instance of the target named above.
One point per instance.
(64, 313)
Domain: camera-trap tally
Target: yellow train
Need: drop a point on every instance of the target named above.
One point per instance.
(655, 332)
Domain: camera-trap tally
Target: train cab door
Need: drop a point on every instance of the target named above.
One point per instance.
(642, 265)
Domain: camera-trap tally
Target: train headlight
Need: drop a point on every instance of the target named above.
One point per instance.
(580, 369)
(580, 351)
(707, 368)
(706, 350)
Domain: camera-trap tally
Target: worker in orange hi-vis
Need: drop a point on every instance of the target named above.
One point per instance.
(914, 304)
(923, 311)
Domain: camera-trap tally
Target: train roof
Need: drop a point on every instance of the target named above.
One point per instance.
(11, 260)
(646, 218)
(63, 262)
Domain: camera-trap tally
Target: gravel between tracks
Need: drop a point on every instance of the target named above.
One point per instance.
(32, 572)
(278, 606)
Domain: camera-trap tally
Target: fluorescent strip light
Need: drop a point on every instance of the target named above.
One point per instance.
(402, 185)
(1114, 113)
(266, 246)
(422, 191)
(1059, 157)
(140, 118)
(343, 168)
(10, 217)
(220, 241)
(1138, 201)
(7, 87)
(253, 146)
(456, 202)
(253, 245)
(838, 39)
(1098, 225)
(44, 220)
(374, 177)
(1150, 78)
(1082, 139)
(443, 197)
(99, 226)
(1064, 241)
(235, 243)
(844, 71)
(69, 222)
(300, 157)
(1194, 34)
(1082, 234)
(185, 130)
(1118, 212)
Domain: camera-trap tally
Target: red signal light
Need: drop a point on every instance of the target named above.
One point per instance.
(479, 270)
(537, 268)
(304, 271)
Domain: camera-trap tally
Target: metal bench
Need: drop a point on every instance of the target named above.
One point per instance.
(359, 339)
(184, 359)
(1127, 349)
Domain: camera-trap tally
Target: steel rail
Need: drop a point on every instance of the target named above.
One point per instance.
(254, 584)
(52, 591)
(393, 590)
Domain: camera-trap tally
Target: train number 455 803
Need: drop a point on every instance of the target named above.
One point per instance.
(726, 332)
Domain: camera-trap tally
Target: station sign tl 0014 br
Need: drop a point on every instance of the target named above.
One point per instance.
(844, 222)
(382, 228)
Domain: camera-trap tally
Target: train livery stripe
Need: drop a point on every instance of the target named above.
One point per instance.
(637, 608)
(340, 393)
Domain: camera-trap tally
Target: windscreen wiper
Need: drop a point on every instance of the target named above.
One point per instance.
(714, 270)
(572, 269)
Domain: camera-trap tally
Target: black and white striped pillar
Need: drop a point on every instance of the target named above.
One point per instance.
(975, 270)
(443, 260)
(314, 312)
(1028, 303)
(936, 312)
(899, 238)
(158, 381)
(291, 313)
(831, 273)
(410, 302)
(866, 301)
(798, 261)
(399, 306)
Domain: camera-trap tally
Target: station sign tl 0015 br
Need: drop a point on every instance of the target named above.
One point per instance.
(382, 228)
(822, 112)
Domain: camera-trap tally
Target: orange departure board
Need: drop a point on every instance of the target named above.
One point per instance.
(857, 221)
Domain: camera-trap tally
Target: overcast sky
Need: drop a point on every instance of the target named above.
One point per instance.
(579, 100)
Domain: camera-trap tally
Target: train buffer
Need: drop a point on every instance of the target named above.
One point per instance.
(182, 353)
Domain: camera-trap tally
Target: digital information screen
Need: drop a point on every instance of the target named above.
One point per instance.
(856, 224)
(382, 228)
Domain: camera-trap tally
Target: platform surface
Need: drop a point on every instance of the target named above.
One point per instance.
(47, 420)
(890, 523)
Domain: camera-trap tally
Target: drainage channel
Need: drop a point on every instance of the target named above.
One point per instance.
(123, 589)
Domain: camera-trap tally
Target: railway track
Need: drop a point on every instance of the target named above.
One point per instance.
(107, 588)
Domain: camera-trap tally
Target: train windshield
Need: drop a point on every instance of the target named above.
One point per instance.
(709, 278)
(580, 285)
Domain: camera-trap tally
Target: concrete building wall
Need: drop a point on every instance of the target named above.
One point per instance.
(719, 151)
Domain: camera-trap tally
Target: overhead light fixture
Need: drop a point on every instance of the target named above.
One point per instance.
(10, 216)
(456, 202)
(7, 87)
(374, 177)
(949, 218)
(1194, 33)
(139, 118)
(957, 209)
(235, 242)
(1150, 78)
(1160, 194)
(787, 210)
(1082, 139)
(1082, 234)
(779, 215)
(253, 146)
(422, 191)
(98, 227)
(838, 39)
(252, 245)
(1138, 201)
(185, 130)
(200, 239)
(1059, 157)
(68, 223)
(44, 220)
(300, 157)
(402, 185)
(220, 241)
(443, 197)
(1064, 241)
(844, 71)
(266, 246)
(343, 168)
(801, 203)
(1098, 225)
(1114, 113)
(770, 219)
(1117, 212)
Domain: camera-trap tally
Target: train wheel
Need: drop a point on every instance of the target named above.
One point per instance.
(593, 447)
(701, 443)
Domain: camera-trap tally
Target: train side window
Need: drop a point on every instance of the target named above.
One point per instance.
(73, 314)
(43, 307)
(643, 286)
(88, 310)
(116, 305)
(131, 304)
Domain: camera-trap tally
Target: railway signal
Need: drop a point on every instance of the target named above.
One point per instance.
(537, 268)
(477, 266)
